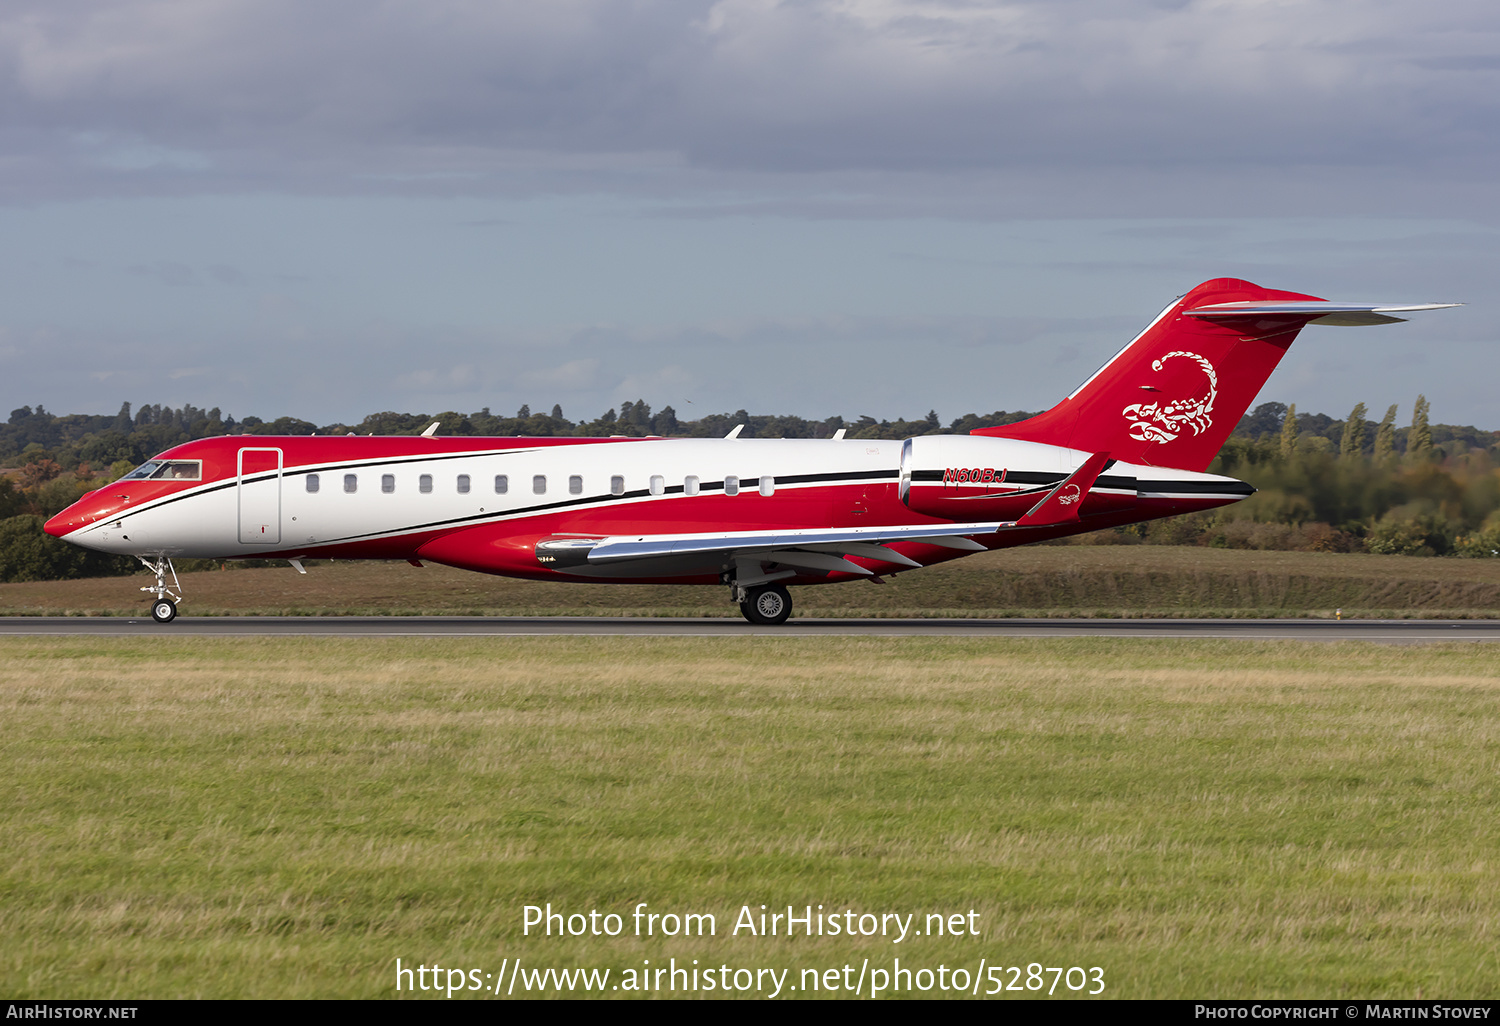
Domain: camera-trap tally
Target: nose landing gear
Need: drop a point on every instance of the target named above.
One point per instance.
(163, 609)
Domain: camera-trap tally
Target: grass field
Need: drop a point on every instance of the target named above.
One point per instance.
(1035, 581)
(268, 818)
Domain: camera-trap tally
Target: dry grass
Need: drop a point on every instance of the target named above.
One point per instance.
(287, 817)
(1046, 580)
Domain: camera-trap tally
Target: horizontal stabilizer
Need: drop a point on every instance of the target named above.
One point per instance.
(1320, 312)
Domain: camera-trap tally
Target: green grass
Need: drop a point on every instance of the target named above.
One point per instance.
(1074, 580)
(225, 818)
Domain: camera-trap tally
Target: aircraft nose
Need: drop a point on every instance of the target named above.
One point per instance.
(90, 509)
(64, 523)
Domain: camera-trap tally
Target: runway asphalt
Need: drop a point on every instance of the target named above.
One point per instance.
(1391, 631)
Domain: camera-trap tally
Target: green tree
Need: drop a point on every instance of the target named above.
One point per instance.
(1483, 543)
(29, 554)
(1352, 445)
(11, 499)
(1289, 432)
(1419, 443)
(1385, 438)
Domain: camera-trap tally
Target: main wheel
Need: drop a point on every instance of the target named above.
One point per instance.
(163, 610)
(767, 605)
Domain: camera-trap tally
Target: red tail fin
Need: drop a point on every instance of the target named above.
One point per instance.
(1172, 396)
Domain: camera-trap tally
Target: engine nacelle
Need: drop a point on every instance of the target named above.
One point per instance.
(975, 478)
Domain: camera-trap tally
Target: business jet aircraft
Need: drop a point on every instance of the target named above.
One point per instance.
(1129, 445)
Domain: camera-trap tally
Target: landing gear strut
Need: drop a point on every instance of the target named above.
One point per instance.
(767, 605)
(163, 609)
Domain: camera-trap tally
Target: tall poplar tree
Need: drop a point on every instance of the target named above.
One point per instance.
(1385, 437)
(1419, 443)
(1352, 446)
(1289, 432)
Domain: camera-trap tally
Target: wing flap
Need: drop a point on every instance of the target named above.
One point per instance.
(805, 560)
(853, 541)
(867, 550)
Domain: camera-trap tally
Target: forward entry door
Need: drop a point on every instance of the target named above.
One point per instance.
(260, 496)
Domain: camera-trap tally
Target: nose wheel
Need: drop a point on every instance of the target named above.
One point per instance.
(163, 608)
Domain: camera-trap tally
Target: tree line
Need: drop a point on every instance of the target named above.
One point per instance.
(1350, 485)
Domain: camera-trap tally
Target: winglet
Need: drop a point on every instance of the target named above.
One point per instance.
(1061, 504)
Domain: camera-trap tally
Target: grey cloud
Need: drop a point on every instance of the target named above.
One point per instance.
(451, 96)
(226, 274)
(970, 363)
(1189, 232)
(167, 272)
(976, 363)
(1460, 62)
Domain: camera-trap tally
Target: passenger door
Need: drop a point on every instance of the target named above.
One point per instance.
(259, 488)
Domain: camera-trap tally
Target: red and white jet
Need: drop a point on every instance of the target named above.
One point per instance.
(1129, 445)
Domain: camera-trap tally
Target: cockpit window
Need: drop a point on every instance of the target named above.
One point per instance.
(142, 472)
(167, 470)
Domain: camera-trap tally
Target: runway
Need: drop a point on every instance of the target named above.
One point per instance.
(1389, 631)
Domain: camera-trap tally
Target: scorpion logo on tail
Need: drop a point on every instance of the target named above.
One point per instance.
(1164, 421)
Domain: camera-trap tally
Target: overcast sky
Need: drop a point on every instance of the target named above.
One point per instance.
(811, 206)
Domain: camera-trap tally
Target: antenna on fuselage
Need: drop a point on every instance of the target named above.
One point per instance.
(736, 432)
(431, 429)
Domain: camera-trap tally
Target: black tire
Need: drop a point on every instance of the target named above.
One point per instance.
(768, 605)
(163, 610)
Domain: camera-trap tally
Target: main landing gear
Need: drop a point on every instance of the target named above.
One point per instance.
(164, 608)
(767, 605)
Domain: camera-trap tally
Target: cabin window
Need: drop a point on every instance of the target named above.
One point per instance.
(424, 484)
(463, 484)
(312, 482)
(575, 485)
(387, 483)
(767, 485)
(658, 484)
(617, 485)
(690, 485)
(351, 483)
(731, 485)
(502, 484)
(539, 484)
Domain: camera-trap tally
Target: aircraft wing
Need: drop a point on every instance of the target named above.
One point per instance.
(818, 548)
(810, 548)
